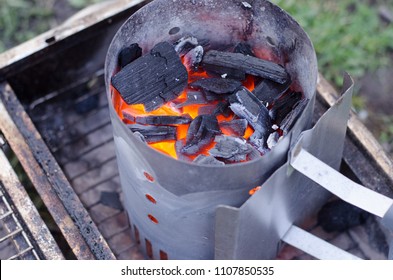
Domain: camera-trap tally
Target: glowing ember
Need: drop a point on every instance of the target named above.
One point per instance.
(222, 102)
(254, 190)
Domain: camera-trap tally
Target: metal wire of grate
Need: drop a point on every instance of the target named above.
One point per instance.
(14, 241)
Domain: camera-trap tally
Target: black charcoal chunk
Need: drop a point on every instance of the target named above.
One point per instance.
(201, 132)
(185, 44)
(217, 85)
(152, 79)
(248, 64)
(244, 48)
(193, 97)
(193, 58)
(339, 216)
(222, 108)
(164, 120)
(224, 72)
(235, 127)
(231, 148)
(154, 133)
(283, 105)
(208, 160)
(288, 122)
(129, 54)
(128, 116)
(211, 96)
(207, 110)
(267, 91)
(245, 105)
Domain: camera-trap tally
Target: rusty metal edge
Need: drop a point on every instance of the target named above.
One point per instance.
(49, 180)
(56, 39)
(36, 227)
(358, 133)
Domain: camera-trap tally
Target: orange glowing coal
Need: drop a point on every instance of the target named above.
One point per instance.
(168, 109)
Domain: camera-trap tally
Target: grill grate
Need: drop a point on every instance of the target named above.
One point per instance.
(14, 241)
(82, 143)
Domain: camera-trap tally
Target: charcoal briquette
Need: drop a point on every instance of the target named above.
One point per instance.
(248, 64)
(129, 54)
(152, 79)
(217, 85)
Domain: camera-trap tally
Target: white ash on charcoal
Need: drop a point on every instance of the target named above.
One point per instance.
(235, 127)
(153, 134)
(217, 85)
(179, 144)
(158, 120)
(139, 136)
(245, 64)
(267, 91)
(201, 133)
(290, 119)
(245, 105)
(193, 58)
(283, 105)
(152, 79)
(185, 44)
(129, 54)
(230, 148)
(254, 154)
(208, 160)
(246, 5)
(273, 139)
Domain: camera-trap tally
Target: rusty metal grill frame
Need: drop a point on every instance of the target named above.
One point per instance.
(53, 175)
(21, 249)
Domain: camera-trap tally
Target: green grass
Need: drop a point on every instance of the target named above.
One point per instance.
(347, 35)
(78, 4)
(21, 20)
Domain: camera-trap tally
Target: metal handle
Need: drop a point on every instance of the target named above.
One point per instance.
(341, 186)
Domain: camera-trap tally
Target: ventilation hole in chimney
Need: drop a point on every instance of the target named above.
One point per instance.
(136, 231)
(149, 249)
(153, 219)
(148, 176)
(271, 41)
(174, 30)
(50, 40)
(163, 255)
(151, 199)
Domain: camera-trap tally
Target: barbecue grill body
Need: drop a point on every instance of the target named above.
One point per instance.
(179, 221)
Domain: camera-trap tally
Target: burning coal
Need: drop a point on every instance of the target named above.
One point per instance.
(209, 106)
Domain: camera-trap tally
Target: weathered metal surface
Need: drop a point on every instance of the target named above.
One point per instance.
(372, 165)
(41, 237)
(286, 198)
(50, 181)
(21, 65)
